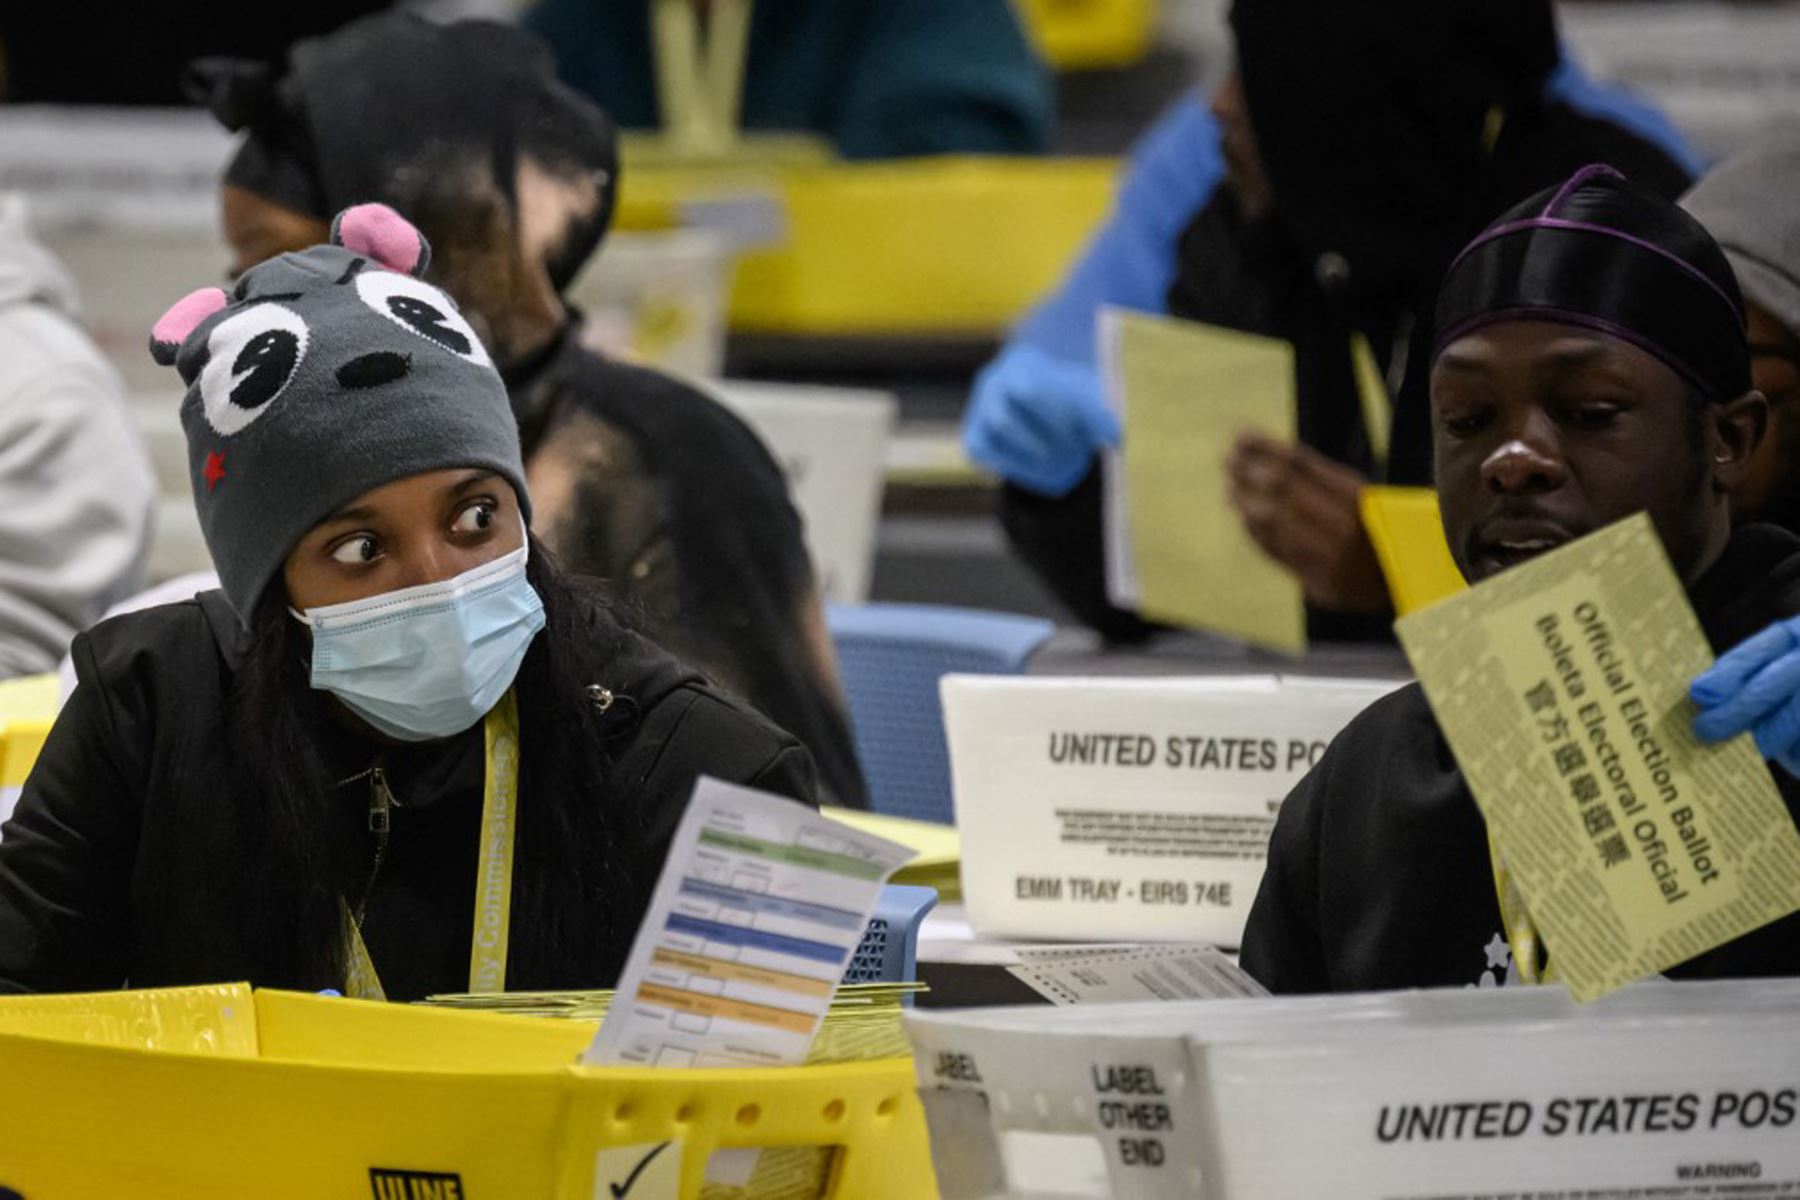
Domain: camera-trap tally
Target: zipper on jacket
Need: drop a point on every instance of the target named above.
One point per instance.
(381, 805)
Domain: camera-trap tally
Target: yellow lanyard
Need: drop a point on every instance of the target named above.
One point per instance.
(700, 88)
(493, 870)
(1521, 934)
(1372, 395)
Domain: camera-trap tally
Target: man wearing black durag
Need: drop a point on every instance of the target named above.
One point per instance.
(1364, 141)
(641, 480)
(1590, 363)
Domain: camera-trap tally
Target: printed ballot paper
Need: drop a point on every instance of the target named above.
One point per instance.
(1121, 974)
(1128, 809)
(760, 905)
(1561, 686)
(1176, 550)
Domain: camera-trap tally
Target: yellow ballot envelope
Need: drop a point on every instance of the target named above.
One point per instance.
(1176, 549)
(1408, 535)
(938, 863)
(1561, 685)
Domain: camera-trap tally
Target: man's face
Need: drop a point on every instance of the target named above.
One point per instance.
(1770, 489)
(1544, 432)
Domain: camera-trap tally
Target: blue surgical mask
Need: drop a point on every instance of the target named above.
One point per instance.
(428, 662)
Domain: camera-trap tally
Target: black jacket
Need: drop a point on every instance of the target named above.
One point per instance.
(97, 881)
(1254, 277)
(1379, 875)
(674, 502)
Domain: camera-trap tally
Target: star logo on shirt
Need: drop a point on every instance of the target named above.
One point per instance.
(213, 471)
(1499, 971)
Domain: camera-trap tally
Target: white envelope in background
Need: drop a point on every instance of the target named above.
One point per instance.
(1114, 809)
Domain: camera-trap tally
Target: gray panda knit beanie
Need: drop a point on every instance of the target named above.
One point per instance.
(324, 374)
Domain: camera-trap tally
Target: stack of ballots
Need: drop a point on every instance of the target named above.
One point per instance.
(863, 1023)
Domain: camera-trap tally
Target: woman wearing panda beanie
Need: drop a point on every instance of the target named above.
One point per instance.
(297, 780)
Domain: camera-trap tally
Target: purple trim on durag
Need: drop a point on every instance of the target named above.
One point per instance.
(1566, 316)
(1591, 171)
(1500, 231)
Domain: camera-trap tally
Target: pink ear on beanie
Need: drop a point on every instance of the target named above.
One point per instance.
(183, 317)
(383, 235)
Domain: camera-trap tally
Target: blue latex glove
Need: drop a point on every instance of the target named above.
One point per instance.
(1756, 688)
(1037, 420)
(1620, 105)
(1174, 170)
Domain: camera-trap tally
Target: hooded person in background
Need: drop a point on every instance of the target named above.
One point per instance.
(640, 480)
(1591, 364)
(1361, 142)
(1751, 204)
(76, 489)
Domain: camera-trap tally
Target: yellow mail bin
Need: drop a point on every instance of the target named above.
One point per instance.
(227, 1092)
(1075, 35)
(951, 246)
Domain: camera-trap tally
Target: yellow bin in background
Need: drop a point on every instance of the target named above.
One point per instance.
(216, 1092)
(1077, 35)
(955, 245)
(27, 710)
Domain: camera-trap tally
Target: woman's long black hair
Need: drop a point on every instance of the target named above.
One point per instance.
(286, 837)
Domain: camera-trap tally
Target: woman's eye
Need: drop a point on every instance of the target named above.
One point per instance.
(476, 518)
(356, 552)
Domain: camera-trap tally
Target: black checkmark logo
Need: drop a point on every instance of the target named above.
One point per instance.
(620, 1190)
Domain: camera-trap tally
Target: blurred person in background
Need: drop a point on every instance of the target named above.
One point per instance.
(878, 80)
(640, 480)
(1751, 204)
(76, 489)
(1354, 146)
(87, 52)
